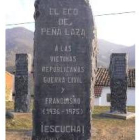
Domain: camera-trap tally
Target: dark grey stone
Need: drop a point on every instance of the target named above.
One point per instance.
(9, 115)
(64, 67)
(118, 82)
(22, 94)
(117, 115)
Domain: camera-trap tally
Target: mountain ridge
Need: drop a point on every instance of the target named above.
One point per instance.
(20, 40)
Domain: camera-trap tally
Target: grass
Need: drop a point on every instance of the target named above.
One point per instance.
(100, 109)
(20, 121)
(103, 128)
(112, 129)
(10, 105)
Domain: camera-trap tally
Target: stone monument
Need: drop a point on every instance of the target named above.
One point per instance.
(118, 71)
(63, 69)
(22, 94)
(118, 82)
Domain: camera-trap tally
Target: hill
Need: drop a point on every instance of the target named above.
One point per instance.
(105, 49)
(20, 40)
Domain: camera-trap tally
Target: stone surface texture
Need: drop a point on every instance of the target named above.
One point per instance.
(22, 94)
(126, 116)
(64, 70)
(118, 82)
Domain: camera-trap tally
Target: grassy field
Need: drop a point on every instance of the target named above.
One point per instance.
(20, 122)
(103, 128)
(112, 129)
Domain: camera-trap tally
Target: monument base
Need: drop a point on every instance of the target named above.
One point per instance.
(128, 115)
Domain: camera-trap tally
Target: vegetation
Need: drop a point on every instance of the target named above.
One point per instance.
(9, 105)
(20, 40)
(21, 121)
(112, 129)
(103, 128)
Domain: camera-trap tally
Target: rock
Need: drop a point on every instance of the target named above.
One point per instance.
(118, 82)
(22, 94)
(9, 115)
(64, 70)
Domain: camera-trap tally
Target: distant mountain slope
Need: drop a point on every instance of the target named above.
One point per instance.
(20, 40)
(105, 49)
(131, 54)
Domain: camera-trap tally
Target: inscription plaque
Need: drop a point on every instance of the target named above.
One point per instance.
(63, 53)
(22, 94)
(118, 82)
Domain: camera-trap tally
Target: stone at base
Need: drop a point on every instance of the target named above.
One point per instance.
(9, 115)
(128, 115)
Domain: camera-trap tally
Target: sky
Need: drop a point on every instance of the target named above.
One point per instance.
(117, 29)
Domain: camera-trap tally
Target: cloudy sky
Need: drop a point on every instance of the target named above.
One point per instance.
(114, 28)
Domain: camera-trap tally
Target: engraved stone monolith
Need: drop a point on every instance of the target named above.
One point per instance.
(118, 71)
(22, 94)
(118, 82)
(63, 69)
